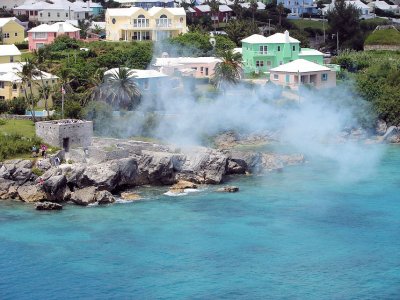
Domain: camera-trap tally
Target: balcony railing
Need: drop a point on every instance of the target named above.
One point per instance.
(261, 53)
(163, 23)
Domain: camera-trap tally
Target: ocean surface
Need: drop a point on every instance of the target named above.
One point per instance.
(308, 232)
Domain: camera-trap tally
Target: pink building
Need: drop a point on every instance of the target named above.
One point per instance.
(198, 67)
(309, 73)
(45, 34)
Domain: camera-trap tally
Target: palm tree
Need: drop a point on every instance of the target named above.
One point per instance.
(228, 71)
(94, 88)
(121, 90)
(281, 10)
(27, 74)
(214, 7)
(253, 8)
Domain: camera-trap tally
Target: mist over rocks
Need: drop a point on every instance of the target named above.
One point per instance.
(94, 176)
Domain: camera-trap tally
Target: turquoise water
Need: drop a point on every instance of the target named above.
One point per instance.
(300, 234)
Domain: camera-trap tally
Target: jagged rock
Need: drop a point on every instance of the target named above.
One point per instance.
(251, 161)
(181, 185)
(84, 196)
(43, 164)
(156, 168)
(109, 175)
(31, 193)
(13, 192)
(202, 166)
(48, 206)
(130, 196)
(392, 135)
(228, 189)
(21, 175)
(104, 197)
(5, 185)
(55, 187)
(24, 163)
(381, 127)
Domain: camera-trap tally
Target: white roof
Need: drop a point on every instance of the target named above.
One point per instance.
(173, 61)
(203, 8)
(4, 21)
(260, 5)
(9, 50)
(176, 11)
(191, 10)
(224, 8)
(56, 27)
(308, 51)
(78, 6)
(101, 25)
(358, 4)
(277, 38)
(9, 72)
(237, 50)
(383, 5)
(300, 66)
(139, 73)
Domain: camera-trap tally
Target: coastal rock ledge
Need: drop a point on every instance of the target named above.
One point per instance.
(113, 166)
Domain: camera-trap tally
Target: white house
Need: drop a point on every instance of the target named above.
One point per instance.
(10, 4)
(199, 67)
(366, 12)
(384, 6)
(54, 11)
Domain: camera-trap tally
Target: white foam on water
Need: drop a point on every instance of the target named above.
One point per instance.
(185, 192)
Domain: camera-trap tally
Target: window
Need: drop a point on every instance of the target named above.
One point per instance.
(40, 35)
(206, 71)
(259, 63)
(163, 21)
(48, 14)
(268, 63)
(41, 15)
(294, 48)
(276, 76)
(58, 15)
(263, 49)
(11, 59)
(14, 86)
(113, 21)
(201, 70)
(2, 98)
(324, 77)
(141, 21)
(281, 63)
(6, 35)
(287, 78)
(279, 48)
(1, 84)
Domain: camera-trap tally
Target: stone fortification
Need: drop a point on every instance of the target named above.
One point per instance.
(66, 134)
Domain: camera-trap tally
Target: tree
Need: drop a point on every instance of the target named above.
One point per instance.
(84, 26)
(94, 89)
(237, 9)
(27, 74)
(122, 91)
(281, 11)
(97, 29)
(17, 106)
(228, 71)
(253, 8)
(343, 19)
(238, 30)
(214, 7)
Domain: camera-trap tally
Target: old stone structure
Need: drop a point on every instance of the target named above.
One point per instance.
(66, 134)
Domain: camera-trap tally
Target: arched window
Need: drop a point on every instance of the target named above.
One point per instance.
(141, 21)
(163, 21)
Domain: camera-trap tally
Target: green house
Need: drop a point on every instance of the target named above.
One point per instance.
(260, 53)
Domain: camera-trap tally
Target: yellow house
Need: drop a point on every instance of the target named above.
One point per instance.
(9, 54)
(137, 24)
(11, 32)
(11, 85)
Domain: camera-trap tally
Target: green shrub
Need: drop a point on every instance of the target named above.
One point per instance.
(37, 171)
(3, 107)
(14, 144)
(22, 46)
(3, 122)
(17, 106)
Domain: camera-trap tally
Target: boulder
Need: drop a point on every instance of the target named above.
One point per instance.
(236, 166)
(251, 161)
(84, 196)
(228, 189)
(130, 196)
(24, 163)
(55, 187)
(13, 192)
(48, 206)
(104, 197)
(181, 185)
(5, 185)
(381, 127)
(392, 135)
(31, 193)
(201, 165)
(21, 175)
(43, 164)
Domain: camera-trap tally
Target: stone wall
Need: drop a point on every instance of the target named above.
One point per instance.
(78, 133)
(20, 117)
(382, 47)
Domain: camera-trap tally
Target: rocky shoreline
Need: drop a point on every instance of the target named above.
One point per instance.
(111, 166)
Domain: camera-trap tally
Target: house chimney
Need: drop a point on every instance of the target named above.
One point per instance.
(287, 40)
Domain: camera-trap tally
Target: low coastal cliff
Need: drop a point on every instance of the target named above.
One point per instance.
(111, 166)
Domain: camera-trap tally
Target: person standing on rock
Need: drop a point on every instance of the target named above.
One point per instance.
(34, 151)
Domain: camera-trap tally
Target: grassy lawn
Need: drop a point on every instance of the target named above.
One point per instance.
(26, 54)
(23, 127)
(303, 23)
(383, 37)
